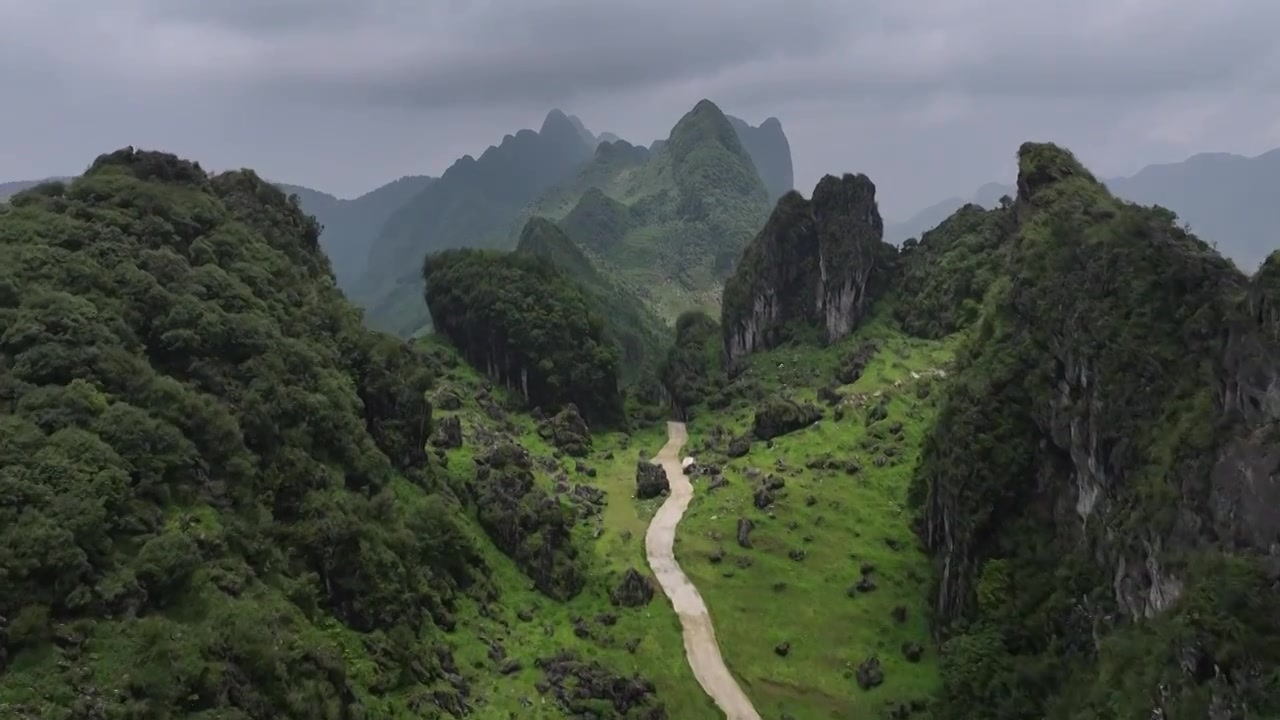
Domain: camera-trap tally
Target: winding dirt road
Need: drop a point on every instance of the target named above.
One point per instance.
(700, 645)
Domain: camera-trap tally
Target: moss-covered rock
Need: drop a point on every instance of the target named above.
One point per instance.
(779, 416)
(567, 431)
(525, 522)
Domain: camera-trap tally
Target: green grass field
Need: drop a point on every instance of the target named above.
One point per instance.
(838, 520)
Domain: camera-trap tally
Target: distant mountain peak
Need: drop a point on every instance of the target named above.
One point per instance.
(770, 152)
(704, 123)
(557, 122)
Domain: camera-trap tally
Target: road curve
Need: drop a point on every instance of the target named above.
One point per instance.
(700, 645)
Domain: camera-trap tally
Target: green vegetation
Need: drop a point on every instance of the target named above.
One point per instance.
(945, 275)
(1060, 483)
(674, 220)
(473, 205)
(204, 445)
(528, 327)
(692, 372)
(610, 537)
(1023, 469)
(628, 322)
(224, 503)
(839, 508)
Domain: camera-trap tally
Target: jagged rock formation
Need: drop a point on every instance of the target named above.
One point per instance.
(816, 264)
(770, 153)
(531, 526)
(634, 590)
(1110, 449)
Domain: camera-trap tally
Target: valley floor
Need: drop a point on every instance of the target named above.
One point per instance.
(701, 648)
(841, 512)
(840, 518)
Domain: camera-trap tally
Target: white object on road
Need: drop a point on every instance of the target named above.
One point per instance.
(687, 464)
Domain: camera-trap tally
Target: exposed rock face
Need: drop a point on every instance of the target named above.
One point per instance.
(818, 263)
(634, 590)
(449, 434)
(567, 431)
(585, 688)
(512, 510)
(651, 480)
(1116, 431)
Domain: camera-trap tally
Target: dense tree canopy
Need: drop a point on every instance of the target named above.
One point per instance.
(198, 446)
(515, 317)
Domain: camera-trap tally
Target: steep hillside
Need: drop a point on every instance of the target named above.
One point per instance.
(473, 204)
(628, 321)
(671, 219)
(1108, 448)
(770, 153)
(1228, 200)
(1095, 474)
(226, 506)
(349, 226)
(817, 265)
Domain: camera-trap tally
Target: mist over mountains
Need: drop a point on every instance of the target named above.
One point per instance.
(1229, 200)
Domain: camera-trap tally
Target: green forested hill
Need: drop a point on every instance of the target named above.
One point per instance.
(217, 498)
(1070, 399)
(473, 204)
(629, 322)
(673, 220)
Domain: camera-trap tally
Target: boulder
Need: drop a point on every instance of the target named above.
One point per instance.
(634, 590)
(651, 480)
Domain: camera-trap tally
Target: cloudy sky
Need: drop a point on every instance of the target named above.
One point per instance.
(928, 97)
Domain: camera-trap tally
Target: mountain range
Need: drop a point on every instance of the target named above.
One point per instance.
(676, 213)
(1024, 466)
(1229, 200)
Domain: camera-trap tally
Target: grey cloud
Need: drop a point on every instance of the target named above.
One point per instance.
(553, 52)
(346, 93)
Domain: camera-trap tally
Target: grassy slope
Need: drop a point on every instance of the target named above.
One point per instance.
(660, 654)
(830, 633)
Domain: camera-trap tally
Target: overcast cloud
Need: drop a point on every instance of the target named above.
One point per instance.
(929, 97)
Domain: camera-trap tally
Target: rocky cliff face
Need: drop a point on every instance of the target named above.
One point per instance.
(1104, 474)
(816, 264)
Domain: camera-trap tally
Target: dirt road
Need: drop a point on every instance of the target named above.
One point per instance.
(700, 645)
